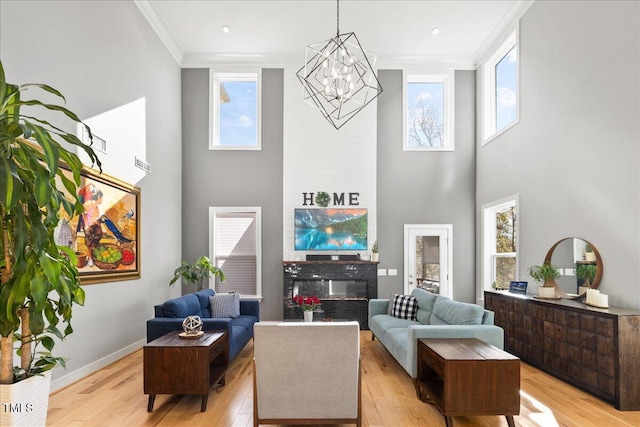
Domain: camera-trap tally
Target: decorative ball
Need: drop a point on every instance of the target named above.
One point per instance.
(192, 325)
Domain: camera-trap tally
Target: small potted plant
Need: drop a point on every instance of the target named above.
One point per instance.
(197, 272)
(585, 273)
(589, 255)
(374, 252)
(545, 274)
(307, 305)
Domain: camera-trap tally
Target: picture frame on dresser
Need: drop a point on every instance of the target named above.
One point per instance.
(516, 287)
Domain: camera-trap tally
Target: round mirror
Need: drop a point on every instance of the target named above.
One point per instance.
(579, 263)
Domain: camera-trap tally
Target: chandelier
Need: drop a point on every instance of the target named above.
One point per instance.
(338, 77)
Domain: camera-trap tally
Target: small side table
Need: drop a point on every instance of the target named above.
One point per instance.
(174, 365)
(468, 377)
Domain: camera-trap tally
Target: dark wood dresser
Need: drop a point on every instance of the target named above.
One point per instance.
(595, 349)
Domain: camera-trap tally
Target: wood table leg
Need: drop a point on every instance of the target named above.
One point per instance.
(510, 421)
(448, 421)
(203, 407)
(152, 399)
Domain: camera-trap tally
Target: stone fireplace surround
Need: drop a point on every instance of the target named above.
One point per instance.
(297, 274)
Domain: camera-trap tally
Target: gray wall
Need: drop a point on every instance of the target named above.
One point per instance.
(234, 178)
(426, 187)
(574, 157)
(102, 55)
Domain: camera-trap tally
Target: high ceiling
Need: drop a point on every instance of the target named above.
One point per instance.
(267, 31)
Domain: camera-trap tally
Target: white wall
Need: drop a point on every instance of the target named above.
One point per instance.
(319, 158)
(574, 158)
(104, 57)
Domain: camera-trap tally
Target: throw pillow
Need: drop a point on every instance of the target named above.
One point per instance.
(390, 308)
(405, 307)
(225, 305)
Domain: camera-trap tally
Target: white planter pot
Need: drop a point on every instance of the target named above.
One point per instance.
(308, 315)
(546, 292)
(374, 257)
(25, 403)
(590, 256)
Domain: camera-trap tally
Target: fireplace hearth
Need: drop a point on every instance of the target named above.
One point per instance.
(344, 288)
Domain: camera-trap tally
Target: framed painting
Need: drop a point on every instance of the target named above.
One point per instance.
(106, 236)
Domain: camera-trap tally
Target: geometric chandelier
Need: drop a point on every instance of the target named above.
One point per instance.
(338, 77)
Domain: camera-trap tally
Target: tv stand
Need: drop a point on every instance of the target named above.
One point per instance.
(595, 349)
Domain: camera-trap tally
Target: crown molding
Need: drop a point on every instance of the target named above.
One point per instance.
(158, 25)
(215, 60)
(265, 60)
(506, 24)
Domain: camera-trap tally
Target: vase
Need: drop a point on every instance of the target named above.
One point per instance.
(25, 403)
(374, 257)
(308, 315)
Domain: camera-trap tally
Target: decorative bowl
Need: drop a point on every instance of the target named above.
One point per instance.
(104, 263)
(131, 259)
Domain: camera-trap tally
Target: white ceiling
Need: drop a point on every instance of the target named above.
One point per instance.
(277, 32)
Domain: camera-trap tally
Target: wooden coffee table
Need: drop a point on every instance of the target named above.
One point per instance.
(468, 377)
(174, 365)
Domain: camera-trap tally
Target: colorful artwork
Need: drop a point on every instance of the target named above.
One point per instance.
(105, 237)
(330, 229)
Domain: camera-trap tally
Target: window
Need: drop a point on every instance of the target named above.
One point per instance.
(428, 112)
(236, 248)
(500, 89)
(235, 118)
(500, 243)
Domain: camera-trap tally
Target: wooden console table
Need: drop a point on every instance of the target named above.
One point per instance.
(468, 377)
(174, 365)
(595, 349)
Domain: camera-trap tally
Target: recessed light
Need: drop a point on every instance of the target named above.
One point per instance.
(435, 31)
(225, 28)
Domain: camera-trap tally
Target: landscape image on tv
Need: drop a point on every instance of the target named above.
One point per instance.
(330, 229)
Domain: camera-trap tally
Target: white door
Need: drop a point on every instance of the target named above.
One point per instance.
(428, 256)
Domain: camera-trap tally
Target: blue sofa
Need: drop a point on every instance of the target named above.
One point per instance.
(437, 317)
(169, 317)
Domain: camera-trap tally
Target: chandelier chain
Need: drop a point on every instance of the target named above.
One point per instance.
(338, 18)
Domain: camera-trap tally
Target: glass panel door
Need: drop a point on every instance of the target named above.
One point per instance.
(428, 257)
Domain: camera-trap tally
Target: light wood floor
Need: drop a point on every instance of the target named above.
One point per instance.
(114, 397)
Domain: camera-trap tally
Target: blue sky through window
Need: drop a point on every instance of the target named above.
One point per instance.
(425, 114)
(506, 72)
(238, 117)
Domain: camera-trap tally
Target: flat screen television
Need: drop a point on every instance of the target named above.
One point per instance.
(330, 229)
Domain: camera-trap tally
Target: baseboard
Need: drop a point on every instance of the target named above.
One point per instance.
(78, 374)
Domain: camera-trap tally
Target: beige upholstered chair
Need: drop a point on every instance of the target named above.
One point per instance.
(306, 373)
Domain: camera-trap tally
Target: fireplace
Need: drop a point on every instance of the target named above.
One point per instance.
(331, 289)
(344, 288)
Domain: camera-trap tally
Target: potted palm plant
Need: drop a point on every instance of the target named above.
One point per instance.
(197, 272)
(39, 282)
(546, 274)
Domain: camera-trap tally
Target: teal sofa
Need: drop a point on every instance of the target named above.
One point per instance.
(437, 317)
